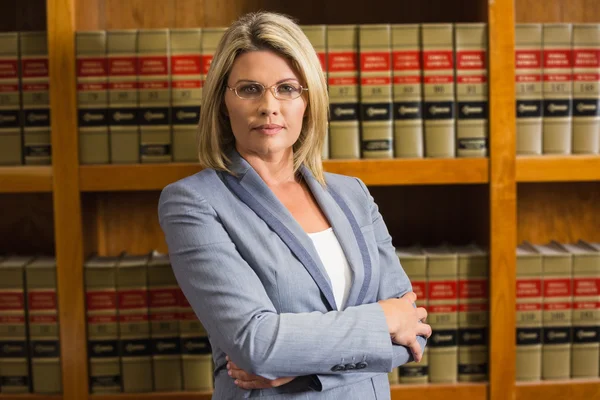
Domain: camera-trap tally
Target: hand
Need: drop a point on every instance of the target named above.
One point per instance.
(405, 322)
(245, 380)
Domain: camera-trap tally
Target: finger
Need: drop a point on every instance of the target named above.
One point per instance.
(251, 384)
(415, 347)
(242, 375)
(424, 330)
(281, 381)
(411, 296)
(421, 314)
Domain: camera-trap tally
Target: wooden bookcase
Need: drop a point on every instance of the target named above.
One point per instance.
(75, 210)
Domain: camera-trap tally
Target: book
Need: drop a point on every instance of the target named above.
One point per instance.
(342, 59)
(376, 91)
(186, 91)
(100, 274)
(406, 70)
(528, 88)
(471, 41)
(154, 95)
(35, 97)
(586, 88)
(529, 313)
(557, 88)
(438, 90)
(92, 97)
(11, 147)
(123, 119)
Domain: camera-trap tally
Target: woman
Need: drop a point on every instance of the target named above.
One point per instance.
(290, 270)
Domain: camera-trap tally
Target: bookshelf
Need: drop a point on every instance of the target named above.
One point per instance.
(30, 397)
(80, 209)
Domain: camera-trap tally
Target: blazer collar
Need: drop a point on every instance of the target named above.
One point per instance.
(253, 191)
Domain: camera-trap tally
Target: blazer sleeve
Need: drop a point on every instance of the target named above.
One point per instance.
(230, 301)
(393, 283)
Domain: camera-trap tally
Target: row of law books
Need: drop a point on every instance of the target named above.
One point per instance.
(557, 72)
(396, 90)
(24, 99)
(29, 328)
(558, 311)
(143, 335)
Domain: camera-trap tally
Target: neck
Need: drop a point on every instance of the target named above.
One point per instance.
(274, 169)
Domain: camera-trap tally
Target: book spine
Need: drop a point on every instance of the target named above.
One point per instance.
(407, 80)
(186, 92)
(528, 88)
(586, 324)
(418, 373)
(529, 327)
(103, 331)
(164, 328)
(11, 148)
(344, 129)
(36, 98)
(44, 336)
(123, 116)
(92, 97)
(556, 348)
(471, 90)
(557, 89)
(154, 96)
(14, 355)
(438, 90)
(196, 352)
(586, 88)
(376, 91)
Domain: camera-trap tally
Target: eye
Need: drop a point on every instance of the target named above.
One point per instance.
(249, 88)
(287, 88)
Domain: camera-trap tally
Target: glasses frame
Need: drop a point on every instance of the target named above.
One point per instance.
(271, 88)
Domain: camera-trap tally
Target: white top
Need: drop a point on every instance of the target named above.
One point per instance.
(333, 258)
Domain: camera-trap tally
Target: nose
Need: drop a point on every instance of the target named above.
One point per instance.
(268, 104)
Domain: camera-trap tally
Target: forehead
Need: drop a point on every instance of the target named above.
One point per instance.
(262, 66)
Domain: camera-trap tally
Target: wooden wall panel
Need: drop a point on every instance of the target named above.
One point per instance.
(557, 11)
(27, 224)
(559, 211)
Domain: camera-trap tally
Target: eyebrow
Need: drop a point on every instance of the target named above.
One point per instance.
(276, 83)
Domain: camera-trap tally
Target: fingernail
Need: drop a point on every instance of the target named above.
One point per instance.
(229, 373)
(228, 366)
(236, 382)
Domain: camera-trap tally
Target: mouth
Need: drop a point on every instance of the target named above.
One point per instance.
(268, 129)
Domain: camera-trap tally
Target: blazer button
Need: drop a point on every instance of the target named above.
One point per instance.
(350, 366)
(361, 365)
(338, 368)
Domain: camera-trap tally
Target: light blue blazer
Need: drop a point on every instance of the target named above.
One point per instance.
(256, 282)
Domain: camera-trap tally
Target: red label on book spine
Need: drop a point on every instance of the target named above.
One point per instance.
(101, 300)
(122, 66)
(343, 62)
(406, 60)
(473, 289)
(42, 300)
(375, 62)
(91, 67)
(557, 287)
(528, 59)
(470, 59)
(12, 301)
(558, 58)
(132, 299)
(186, 65)
(436, 60)
(586, 58)
(35, 68)
(529, 288)
(8, 69)
(442, 290)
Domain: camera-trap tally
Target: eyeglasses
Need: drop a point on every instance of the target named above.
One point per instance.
(255, 90)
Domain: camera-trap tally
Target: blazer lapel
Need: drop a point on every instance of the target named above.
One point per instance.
(251, 189)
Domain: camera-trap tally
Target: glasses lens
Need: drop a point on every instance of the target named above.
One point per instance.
(249, 90)
(288, 91)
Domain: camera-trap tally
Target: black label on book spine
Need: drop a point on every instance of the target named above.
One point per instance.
(472, 337)
(36, 118)
(472, 110)
(586, 107)
(185, 115)
(155, 149)
(38, 150)
(10, 119)
(472, 143)
(529, 109)
(13, 349)
(152, 116)
(557, 108)
(92, 117)
(13, 381)
(557, 335)
(439, 110)
(377, 145)
(586, 334)
(103, 348)
(123, 116)
(444, 338)
(343, 112)
(413, 372)
(408, 110)
(105, 381)
(472, 369)
(136, 348)
(376, 112)
(45, 348)
(195, 345)
(166, 346)
(529, 336)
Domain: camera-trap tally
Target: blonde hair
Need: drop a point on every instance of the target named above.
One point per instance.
(280, 34)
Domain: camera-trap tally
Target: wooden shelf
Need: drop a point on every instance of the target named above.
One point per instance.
(559, 390)
(30, 396)
(571, 168)
(462, 391)
(96, 178)
(25, 179)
